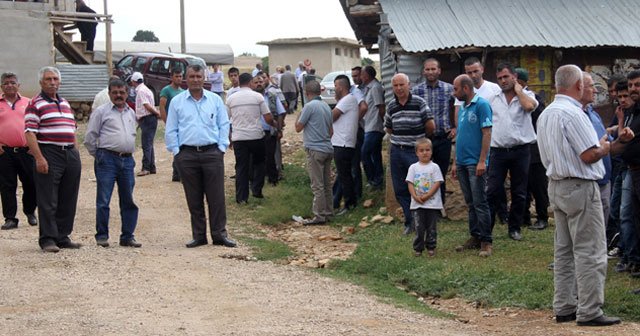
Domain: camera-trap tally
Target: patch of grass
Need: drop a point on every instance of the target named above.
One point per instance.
(265, 249)
(515, 276)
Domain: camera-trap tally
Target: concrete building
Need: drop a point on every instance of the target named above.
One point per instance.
(325, 54)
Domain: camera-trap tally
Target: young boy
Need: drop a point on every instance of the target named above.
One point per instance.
(424, 179)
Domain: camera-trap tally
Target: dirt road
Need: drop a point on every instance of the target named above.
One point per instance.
(164, 288)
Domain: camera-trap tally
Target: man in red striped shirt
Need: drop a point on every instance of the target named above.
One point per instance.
(50, 128)
(15, 162)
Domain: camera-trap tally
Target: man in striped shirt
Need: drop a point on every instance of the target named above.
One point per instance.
(571, 153)
(407, 119)
(50, 128)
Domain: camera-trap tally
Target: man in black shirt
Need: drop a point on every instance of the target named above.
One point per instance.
(87, 29)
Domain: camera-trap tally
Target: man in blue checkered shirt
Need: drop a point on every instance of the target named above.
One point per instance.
(439, 97)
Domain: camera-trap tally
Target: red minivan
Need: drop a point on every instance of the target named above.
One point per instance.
(156, 68)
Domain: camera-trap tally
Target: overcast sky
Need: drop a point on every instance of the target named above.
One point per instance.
(240, 23)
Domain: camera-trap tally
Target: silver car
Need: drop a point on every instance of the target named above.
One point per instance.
(328, 88)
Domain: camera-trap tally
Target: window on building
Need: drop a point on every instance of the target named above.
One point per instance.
(346, 52)
(337, 51)
(351, 53)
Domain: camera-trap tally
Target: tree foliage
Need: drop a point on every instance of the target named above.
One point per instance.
(367, 61)
(145, 36)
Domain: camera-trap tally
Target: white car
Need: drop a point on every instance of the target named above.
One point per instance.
(327, 86)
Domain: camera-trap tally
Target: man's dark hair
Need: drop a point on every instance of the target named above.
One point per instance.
(259, 73)
(195, 67)
(506, 65)
(431, 59)
(312, 87)
(466, 81)
(615, 78)
(358, 68)
(287, 67)
(344, 80)
(472, 60)
(312, 71)
(622, 85)
(245, 78)
(116, 82)
(233, 70)
(8, 75)
(371, 71)
(176, 71)
(633, 74)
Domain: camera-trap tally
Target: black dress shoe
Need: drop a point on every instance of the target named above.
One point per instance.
(225, 242)
(130, 243)
(565, 318)
(539, 225)
(32, 219)
(10, 224)
(260, 195)
(195, 243)
(601, 321)
(69, 245)
(407, 230)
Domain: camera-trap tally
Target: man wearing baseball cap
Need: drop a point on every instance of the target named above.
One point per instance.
(147, 116)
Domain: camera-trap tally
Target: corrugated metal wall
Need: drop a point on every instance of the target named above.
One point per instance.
(80, 83)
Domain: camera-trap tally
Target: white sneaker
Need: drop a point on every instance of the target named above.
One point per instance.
(613, 254)
(297, 219)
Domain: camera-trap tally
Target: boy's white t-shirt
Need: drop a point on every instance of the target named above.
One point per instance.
(423, 177)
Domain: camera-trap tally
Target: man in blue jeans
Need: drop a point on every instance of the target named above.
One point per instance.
(470, 163)
(407, 119)
(111, 140)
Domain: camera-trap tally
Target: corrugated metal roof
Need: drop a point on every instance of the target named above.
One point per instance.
(80, 83)
(430, 25)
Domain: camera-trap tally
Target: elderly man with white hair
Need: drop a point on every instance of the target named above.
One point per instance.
(407, 119)
(571, 153)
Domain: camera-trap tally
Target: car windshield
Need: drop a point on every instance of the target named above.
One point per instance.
(198, 61)
(330, 77)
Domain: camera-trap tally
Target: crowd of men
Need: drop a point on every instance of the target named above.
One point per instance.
(561, 155)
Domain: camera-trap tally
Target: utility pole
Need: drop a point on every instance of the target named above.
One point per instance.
(109, 56)
(183, 43)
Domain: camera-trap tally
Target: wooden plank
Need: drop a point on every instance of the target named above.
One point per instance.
(365, 10)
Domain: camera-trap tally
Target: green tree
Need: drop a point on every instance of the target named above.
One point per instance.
(145, 36)
(265, 64)
(367, 61)
(248, 54)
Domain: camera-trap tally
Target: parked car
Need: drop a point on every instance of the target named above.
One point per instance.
(156, 68)
(328, 88)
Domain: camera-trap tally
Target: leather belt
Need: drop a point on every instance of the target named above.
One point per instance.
(405, 147)
(510, 149)
(60, 147)
(8, 149)
(199, 148)
(116, 153)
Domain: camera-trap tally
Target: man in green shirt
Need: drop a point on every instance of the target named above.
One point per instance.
(166, 94)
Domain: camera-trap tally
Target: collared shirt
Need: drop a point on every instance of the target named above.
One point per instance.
(169, 92)
(317, 120)
(112, 129)
(439, 99)
(143, 95)
(12, 121)
(51, 119)
(598, 126)
(374, 97)
(217, 81)
(246, 108)
(197, 122)
(275, 106)
(512, 125)
(565, 132)
(472, 119)
(345, 128)
(407, 121)
(487, 90)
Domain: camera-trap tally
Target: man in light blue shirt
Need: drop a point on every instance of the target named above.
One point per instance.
(197, 134)
(216, 77)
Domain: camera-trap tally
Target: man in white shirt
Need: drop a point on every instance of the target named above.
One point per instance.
(147, 116)
(510, 139)
(345, 128)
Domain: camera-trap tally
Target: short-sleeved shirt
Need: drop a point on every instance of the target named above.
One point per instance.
(317, 120)
(487, 89)
(374, 96)
(169, 92)
(246, 108)
(439, 98)
(565, 132)
(407, 121)
(345, 129)
(598, 126)
(51, 119)
(512, 125)
(12, 122)
(472, 119)
(424, 177)
(143, 96)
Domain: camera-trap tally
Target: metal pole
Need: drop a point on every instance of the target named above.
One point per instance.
(183, 43)
(109, 56)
